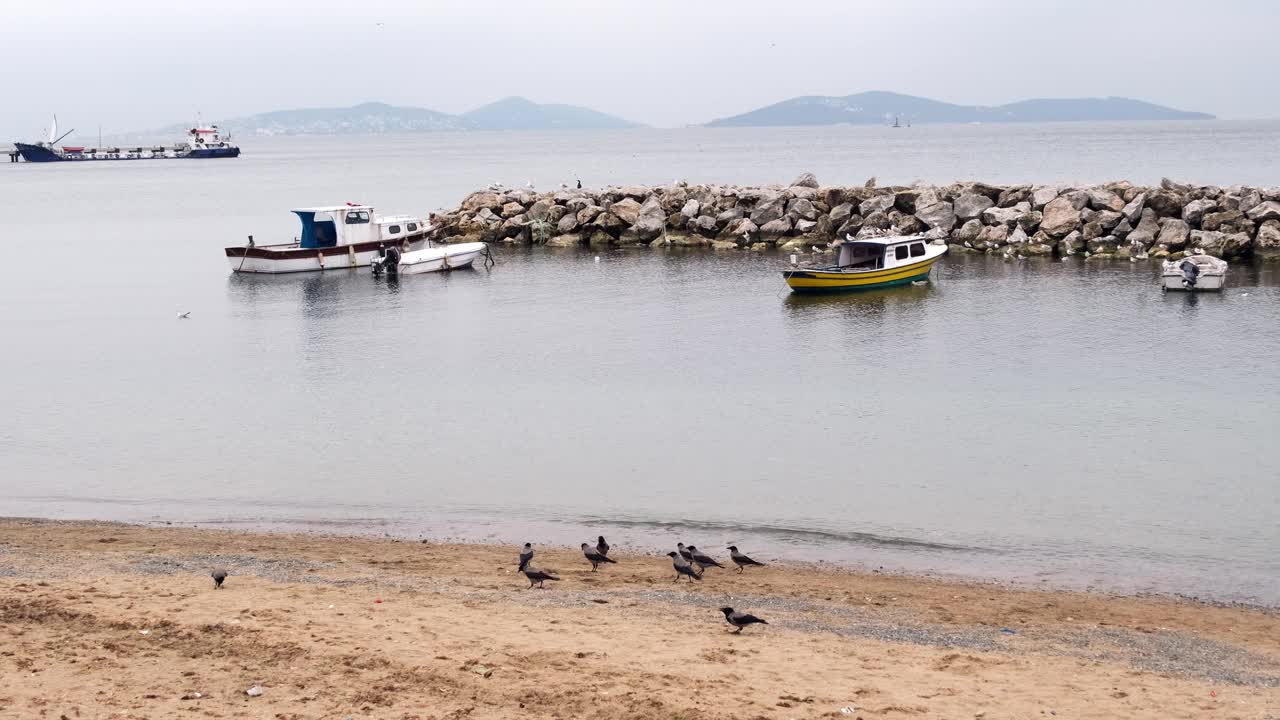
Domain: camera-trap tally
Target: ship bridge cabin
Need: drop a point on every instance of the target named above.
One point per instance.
(881, 253)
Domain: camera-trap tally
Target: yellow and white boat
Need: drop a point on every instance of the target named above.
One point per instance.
(869, 263)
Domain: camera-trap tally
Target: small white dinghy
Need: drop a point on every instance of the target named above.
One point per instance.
(1193, 273)
(429, 259)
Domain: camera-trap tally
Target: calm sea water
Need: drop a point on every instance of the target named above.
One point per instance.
(1038, 421)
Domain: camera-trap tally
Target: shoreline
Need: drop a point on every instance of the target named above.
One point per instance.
(883, 565)
(109, 616)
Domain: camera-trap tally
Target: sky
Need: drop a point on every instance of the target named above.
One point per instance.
(139, 64)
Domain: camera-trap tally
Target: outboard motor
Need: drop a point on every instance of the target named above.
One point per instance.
(388, 261)
(1190, 271)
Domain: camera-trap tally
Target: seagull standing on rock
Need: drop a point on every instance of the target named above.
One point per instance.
(526, 556)
(594, 557)
(740, 620)
(683, 567)
(741, 560)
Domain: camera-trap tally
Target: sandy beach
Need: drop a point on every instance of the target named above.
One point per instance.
(104, 620)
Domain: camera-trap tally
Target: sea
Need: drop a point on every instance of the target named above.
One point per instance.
(1043, 423)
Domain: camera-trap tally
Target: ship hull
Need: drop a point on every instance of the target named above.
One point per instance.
(42, 154)
(37, 153)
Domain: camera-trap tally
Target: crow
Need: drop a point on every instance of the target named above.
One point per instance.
(594, 557)
(538, 576)
(701, 559)
(219, 576)
(741, 560)
(684, 552)
(683, 568)
(740, 619)
(526, 555)
(602, 547)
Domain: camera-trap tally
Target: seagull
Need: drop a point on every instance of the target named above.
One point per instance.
(529, 184)
(579, 183)
(219, 575)
(564, 186)
(740, 619)
(701, 559)
(683, 568)
(538, 576)
(594, 557)
(741, 560)
(684, 553)
(602, 547)
(184, 315)
(526, 555)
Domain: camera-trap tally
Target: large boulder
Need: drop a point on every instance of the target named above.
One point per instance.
(511, 210)
(1060, 217)
(1249, 199)
(1207, 241)
(1236, 244)
(776, 228)
(840, 214)
(1001, 216)
(1266, 244)
(589, 213)
(849, 227)
(804, 227)
(1264, 211)
(1133, 210)
(704, 225)
(1226, 221)
(483, 199)
(539, 210)
(1193, 212)
(971, 205)
(1173, 234)
(967, 234)
(567, 224)
(635, 192)
(904, 224)
(806, 180)
(691, 208)
(1018, 236)
(770, 208)
(1166, 203)
(879, 203)
(727, 216)
(742, 231)
(938, 215)
(1043, 195)
(647, 228)
(566, 239)
(511, 227)
(1071, 244)
(1104, 199)
(1014, 195)
(627, 210)
(992, 236)
(802, 209)
(578, 204)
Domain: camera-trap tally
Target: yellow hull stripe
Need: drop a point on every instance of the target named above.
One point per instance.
(815, 279)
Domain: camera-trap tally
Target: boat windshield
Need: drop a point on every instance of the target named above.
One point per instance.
(868, 257)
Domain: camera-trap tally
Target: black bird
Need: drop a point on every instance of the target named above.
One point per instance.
(594, 557)
(538, 576)
(218, 575)
(684, 552)
(741, 560)
(602, 547)
(740, 619)
(579, 183)
(683, 567)
(525, 556)
(702, 559)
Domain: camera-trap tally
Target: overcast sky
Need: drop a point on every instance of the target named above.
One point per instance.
(139, 64)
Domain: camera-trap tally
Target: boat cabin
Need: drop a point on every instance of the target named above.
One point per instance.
(324, 227)
(881, 253)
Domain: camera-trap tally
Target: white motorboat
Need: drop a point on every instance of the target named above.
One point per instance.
(430, 259)
(1194, 272)
(333, 238)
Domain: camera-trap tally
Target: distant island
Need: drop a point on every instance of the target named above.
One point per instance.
(371, 118)
(878, 107)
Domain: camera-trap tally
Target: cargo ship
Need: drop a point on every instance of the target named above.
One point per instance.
(202, 143)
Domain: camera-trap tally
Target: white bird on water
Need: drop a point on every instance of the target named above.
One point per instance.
(184, 315)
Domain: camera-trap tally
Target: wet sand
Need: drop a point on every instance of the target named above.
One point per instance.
(102, 620)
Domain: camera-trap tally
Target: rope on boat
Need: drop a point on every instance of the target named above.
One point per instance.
(488, 257)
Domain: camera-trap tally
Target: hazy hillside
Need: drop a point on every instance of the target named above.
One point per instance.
(516, 113)
(882, 107)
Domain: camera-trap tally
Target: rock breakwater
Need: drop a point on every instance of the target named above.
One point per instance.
(1110, 220)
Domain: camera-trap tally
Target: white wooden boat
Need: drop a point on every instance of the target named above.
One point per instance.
(1194, 273)
(441, 257)
(333, 238)
(869, 263)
